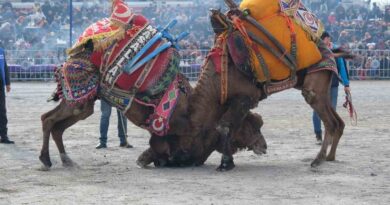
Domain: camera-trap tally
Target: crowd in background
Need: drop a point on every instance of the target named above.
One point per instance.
(355, 27)
(45, 26)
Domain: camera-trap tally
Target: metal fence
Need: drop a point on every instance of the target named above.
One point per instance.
(27, 65)
(370, 65)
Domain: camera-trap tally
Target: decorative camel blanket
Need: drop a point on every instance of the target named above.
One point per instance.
(154, 84)
(118, 52)
(292, 25)
(304, 17)
(77, 81)
(147, 84)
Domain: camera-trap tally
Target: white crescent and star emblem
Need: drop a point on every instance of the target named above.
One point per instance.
(124, 14)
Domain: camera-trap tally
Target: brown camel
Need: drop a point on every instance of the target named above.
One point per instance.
(208, 116)
(56, 121)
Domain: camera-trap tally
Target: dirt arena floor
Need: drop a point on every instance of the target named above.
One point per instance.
(360, 174)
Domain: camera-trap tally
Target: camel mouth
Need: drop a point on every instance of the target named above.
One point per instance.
(259, 149)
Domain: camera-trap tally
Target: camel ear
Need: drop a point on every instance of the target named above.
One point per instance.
(89, 46)
(218, 21)
(231, 4)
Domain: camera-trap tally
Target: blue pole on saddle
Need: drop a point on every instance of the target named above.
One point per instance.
(159, 35)
(159, 50)
(133, 64)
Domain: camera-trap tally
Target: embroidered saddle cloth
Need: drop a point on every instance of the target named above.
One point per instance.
(155, 83)
(77, 81)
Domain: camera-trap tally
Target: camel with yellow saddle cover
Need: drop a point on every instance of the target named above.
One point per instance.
(296, 29)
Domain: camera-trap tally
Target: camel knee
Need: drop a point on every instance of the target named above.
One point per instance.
(309, 96)
(44, 116)
(340, 128)
(223, 128)
(336, 127)
(47, 125)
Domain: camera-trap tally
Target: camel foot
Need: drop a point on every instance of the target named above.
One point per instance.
(145, 159)
(316, 162)
(160, 163)
(44, 168)
(45, 159)
(330, 158)
(227, 164)
(141, 165)
(66, 161)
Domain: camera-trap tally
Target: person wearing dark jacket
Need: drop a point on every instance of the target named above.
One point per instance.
(4, 86)
(343, 74)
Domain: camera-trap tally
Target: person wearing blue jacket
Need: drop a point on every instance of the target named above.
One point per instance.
(343, 75)
(4, 85)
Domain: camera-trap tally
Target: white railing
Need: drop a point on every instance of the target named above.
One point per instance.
(370, 65)
(40, 65)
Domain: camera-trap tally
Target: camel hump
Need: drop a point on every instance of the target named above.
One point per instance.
(283, 20)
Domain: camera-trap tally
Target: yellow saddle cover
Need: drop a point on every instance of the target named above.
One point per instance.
(268, 13)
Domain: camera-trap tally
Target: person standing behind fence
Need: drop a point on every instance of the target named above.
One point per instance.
(106, 108)
(4, 84)
(343, 73)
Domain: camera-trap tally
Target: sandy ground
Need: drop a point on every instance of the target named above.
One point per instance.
(360, 175)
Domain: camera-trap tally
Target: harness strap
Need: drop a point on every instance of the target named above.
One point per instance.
(273, 51)
(284, 57)
(222, 46)
(262, 62)
(293, 35)
(224, 73)
(238, 24)
(258, 26)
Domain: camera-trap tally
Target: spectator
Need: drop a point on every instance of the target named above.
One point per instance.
(4, 84)
(387, 13)
(340, 12)
(37, 19)
(106, 108)
(376, 11)
(373, 70)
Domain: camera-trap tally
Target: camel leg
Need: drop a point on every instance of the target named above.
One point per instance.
(336, 137)
(238, 109)
(49, 119)
(316, 92)
(57, 131)
(147, 157)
